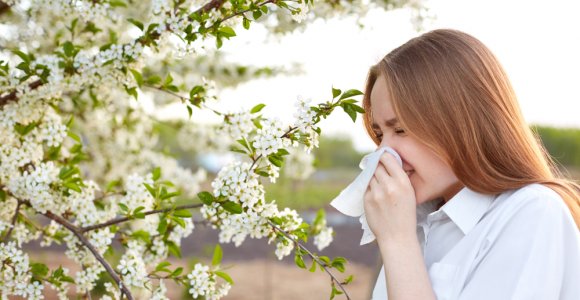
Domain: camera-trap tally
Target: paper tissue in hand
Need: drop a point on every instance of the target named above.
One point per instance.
(351, 200)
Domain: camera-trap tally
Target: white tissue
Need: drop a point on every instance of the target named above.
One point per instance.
(351, 200)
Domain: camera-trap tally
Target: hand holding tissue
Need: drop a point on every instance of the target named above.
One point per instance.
(351, 200)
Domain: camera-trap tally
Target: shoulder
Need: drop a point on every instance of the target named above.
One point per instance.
(530, 198)
(532, 206)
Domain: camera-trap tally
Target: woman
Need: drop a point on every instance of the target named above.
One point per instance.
(478, 210)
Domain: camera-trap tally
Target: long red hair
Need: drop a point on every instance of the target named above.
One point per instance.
(450, 92)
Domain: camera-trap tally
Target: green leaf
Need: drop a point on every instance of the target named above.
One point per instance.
(123, 207)
(142, 235)
(39, 270)
(227, 32)
(132, 92)
(174, 249)
(189, 111)
(182, 213)
(225, 276)
(349, 111)
(138, 77)
(176, 272)
(162, 266)
(232, 207)
(73, 186)
(348, 280)
(299, 260)
(74, 136)
(350, 93)
(206, 197)
(156, 173)
(275, 160)
(2, 195)
(153, 80)
(246, 23)
(151, 190)
(257, 108)
(25, 129)
(338, 263)
(25, 57)
(282, 152)
(69, 49)
(217, 255)
(179, 221)
(136, 23)
(196, 90)
(162, 227)
(170, 195)
(313, 267)
(168, 80)
(117, 3)
(335, 92)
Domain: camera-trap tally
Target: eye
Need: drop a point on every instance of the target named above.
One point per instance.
(399, 130)
(378, 134)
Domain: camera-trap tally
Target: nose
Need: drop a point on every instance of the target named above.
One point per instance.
(385, 143)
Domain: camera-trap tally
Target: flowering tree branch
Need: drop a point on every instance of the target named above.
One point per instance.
(125, 219)
(313, 256)
(12, 95)
(79, 234)
(14, 218)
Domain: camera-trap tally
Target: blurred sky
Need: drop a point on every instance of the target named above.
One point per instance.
(538, 42)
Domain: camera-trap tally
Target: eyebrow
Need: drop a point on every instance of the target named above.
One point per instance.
(388, 123)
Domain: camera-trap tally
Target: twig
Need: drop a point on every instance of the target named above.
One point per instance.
(12, 96)
(247, 10)
(182, 98)
(125, 219)
(314, 257)
(79, 234)
(14, 218)
(285, 135)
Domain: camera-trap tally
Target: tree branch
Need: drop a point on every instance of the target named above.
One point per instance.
(14, 218)
(12, 96)
(4, 7)
(79, 234)
(314, 257)
(125, 219)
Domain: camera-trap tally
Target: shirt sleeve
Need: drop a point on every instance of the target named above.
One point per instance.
(536, 255)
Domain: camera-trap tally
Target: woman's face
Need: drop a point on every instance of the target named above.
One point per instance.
(430, 176)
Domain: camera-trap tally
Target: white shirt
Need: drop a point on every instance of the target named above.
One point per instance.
(521, 244)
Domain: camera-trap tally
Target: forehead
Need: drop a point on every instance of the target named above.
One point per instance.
(381, 106)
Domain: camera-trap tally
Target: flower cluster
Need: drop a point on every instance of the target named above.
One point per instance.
(136, 192)
(131, 266)
(238, 125)
(324, 237)
(239, 184)
(35, 184)
(15, 274)
(270, 137)
(203, 282)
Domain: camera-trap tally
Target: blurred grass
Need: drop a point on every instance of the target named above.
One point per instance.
(313, 193)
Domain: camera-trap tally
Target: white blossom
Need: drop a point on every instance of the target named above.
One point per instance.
(202, 282)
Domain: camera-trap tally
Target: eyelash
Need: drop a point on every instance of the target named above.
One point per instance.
(398, 130)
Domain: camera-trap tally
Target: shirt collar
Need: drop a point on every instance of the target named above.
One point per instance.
(466, 208)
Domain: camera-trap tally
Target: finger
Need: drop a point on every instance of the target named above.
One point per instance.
(374, 183)
(381, 174)
(392, 166)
